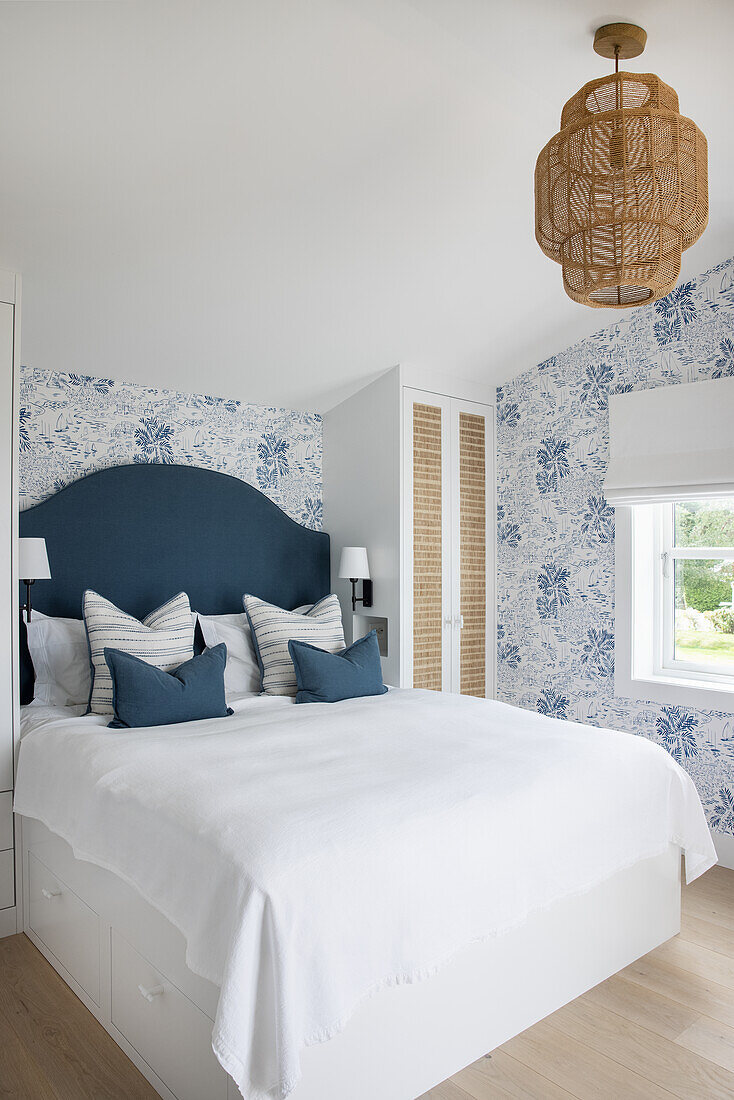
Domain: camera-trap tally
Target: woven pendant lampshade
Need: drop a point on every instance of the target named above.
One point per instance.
(622, 188)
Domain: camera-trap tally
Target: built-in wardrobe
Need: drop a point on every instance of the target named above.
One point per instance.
(408, 470)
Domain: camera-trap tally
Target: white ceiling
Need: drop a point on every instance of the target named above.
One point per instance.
(276, 200)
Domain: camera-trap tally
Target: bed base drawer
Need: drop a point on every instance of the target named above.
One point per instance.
(7, 879)
(164, 1026)
(6, 820)
(68, 927)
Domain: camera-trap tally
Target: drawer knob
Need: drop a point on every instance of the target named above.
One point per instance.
(49, 894)
(150, 994)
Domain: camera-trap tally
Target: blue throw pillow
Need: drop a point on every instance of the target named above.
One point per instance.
(328, 677)
(143, 695)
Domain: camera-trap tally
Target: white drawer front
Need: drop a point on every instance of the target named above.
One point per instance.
(165, 1027)
(68, 927)
(7, 879)
(6, 819)
(6, 760)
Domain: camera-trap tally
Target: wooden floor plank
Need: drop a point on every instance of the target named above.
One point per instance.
(20, 1077)
(683, 1073)
(447, 1091)
(579, 1069)
(498, 1076)
(694, 959)
(715, 911)
(708, 998)
(707, 934)
(57, 1032)
(719, 884)
(710, 1039)
(639, 1005)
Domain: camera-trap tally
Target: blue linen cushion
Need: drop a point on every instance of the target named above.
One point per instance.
(143, 695)
(324, 677)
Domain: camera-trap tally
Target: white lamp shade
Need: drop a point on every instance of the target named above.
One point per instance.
(353, 563)
(33, 560)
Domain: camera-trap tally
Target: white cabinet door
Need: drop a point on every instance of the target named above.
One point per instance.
(448, 551)
(7, 602)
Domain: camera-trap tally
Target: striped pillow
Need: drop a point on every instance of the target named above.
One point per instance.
(165, 639)
(272, 628)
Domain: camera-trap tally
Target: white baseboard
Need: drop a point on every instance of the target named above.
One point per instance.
(724, 843)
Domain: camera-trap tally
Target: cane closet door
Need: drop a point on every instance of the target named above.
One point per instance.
(448, 563)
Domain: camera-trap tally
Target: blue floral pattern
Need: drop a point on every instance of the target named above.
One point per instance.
(509, 534)
(72, 424)
(676, 310)
(721, 815)
(552, 703)
(552, 462)
(555, 560)
(598, 652)
(596, 385)
(597, 522)
(676, 730)
(508, 654)
(724, 365)
(153, 440)
(24, 435)
(553, 586)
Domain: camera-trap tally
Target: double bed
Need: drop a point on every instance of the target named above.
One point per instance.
(344, 900)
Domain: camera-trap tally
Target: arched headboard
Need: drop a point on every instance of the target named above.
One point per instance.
(139, 534)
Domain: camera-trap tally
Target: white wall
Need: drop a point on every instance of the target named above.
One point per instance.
(363, 433)
(275, 201)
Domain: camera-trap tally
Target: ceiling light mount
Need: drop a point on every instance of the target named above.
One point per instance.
(620, 40)
(622, 189)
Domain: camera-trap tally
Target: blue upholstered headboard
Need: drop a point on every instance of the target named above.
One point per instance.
(139, 534)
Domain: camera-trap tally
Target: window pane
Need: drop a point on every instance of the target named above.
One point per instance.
(704, 612)
(705, 522)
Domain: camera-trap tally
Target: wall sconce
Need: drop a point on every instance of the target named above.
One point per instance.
(33, 566)
(354, 566)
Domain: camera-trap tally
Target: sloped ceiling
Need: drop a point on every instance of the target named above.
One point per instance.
(277, 200)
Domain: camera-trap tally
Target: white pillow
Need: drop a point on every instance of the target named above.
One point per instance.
(242, 672)
(165, 639)
(58, 649)
(273, 627)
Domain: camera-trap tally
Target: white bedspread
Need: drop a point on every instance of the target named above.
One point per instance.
(313, 854)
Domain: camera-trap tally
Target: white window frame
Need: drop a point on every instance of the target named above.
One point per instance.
(645, 669)
(667, 553)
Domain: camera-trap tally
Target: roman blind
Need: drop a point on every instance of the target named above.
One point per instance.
(671, 443)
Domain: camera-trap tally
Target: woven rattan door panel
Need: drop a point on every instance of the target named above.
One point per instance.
(449, 589)
(428, 562)
(472, 553)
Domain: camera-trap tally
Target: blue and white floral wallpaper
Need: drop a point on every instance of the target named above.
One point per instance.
(72, 424)
(556, 531)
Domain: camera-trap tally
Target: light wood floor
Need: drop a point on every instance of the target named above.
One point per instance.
(663, 1027)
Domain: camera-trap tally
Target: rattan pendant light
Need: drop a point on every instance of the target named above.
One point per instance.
(622, 189)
